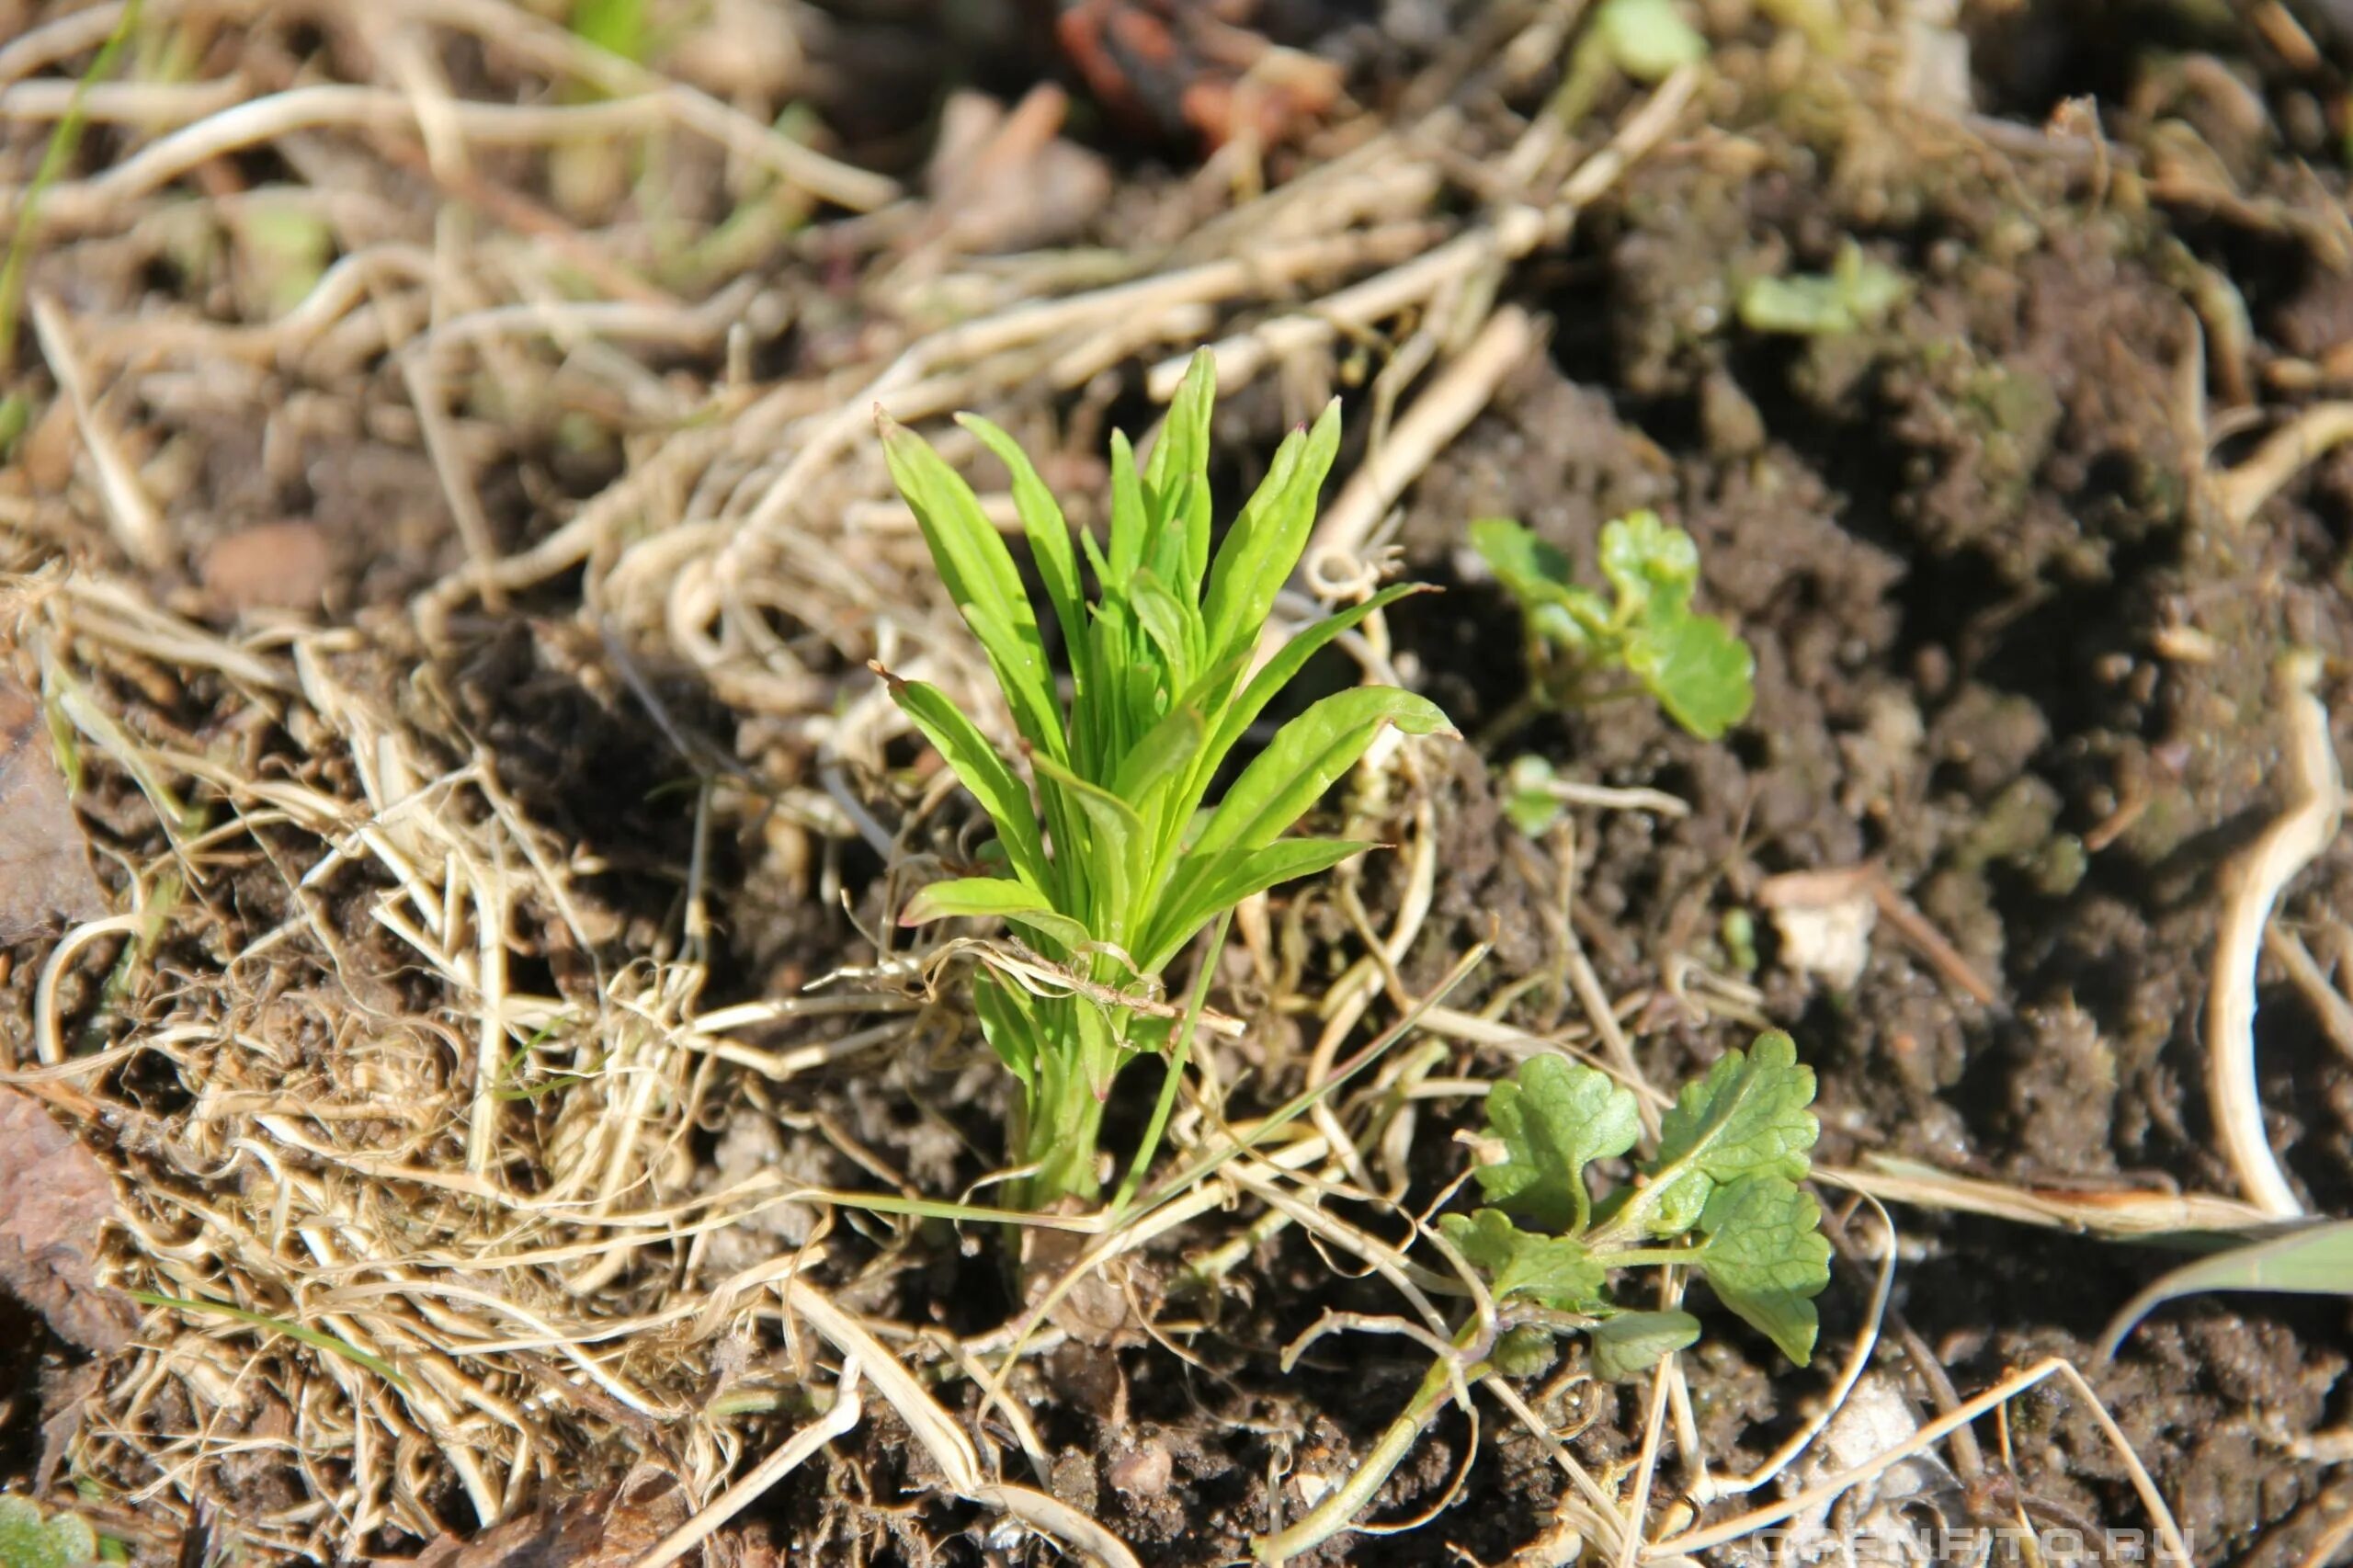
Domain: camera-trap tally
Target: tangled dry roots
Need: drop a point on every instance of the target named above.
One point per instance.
(404, 1249)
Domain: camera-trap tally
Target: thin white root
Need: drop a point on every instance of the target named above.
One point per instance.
(2283, 455)
(846, 1413)
(2316, 809)
(138, 526)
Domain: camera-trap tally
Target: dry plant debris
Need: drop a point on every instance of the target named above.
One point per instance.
(45, 872)
(55, 1202)
(402, 1114)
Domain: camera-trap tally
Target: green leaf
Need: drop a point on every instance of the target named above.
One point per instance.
(1553, 1118)
(1266, 540)
(1305, 758)
(1174, 627)
(1235, 718)
(1531, 569)
(992, 898)
(1048, 532)
(1650, 565)
(1165, 751)
(1205, 886)
(1176, 480)
(1856, 294)
(979, 577)
(1649, 39)
(2312, 1260)
(1631, 1344)
(1525, 1351)
(1766, 1259)
(1130, 520)
(1527, 802)
(1698, 669)
(1557, 1272)
(1113, 831)
(979, 768)
(26, 1541)
(1747, 1118)
(1009, 1023)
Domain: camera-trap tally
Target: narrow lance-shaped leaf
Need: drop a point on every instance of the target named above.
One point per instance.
(1009, 1023)
(1048, 532)
(979, 768)
(1112, 829)
(1266, 540)
(1304, 760)
(1207, 888)
(1164, 752)
(1235, 717)
(1129, 519)
(2310, 1260)
(997, 898)
(981, 577)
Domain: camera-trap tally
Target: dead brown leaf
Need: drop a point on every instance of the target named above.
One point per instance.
(54, 1198)
(608, 1528)
(44, 860)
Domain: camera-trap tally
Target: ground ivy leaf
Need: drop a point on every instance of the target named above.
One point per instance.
(1653, 566)
(1553, 1118)
(1631, 1344)
(1766, 1259)
(1696, 667)
(1746, 1117)
(1552, 1272)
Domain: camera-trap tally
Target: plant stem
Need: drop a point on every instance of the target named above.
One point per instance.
(1338, 1508)
(1060, 1126)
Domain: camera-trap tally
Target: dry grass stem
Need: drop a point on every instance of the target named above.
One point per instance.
(2314, 811)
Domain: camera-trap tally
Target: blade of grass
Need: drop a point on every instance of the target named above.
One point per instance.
(1178, 1059)
(317, 1339)
(64, 143)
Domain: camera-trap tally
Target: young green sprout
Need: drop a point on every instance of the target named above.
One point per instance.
(1718, 1196)
(1695, 665)
(1115, 866)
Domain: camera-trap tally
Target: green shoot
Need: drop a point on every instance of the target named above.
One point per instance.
(1115, 866)
(1856, 293)
(64, 143)
(1644, 41)
(1719, 1195)
(27, 1541)
(1694, 665)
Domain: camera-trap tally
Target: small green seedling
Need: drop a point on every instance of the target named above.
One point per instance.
(1644, 41)
(1719, 1195)
(27, 1541)
(1700, 671)
(1856, 293)
(1116, 866)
